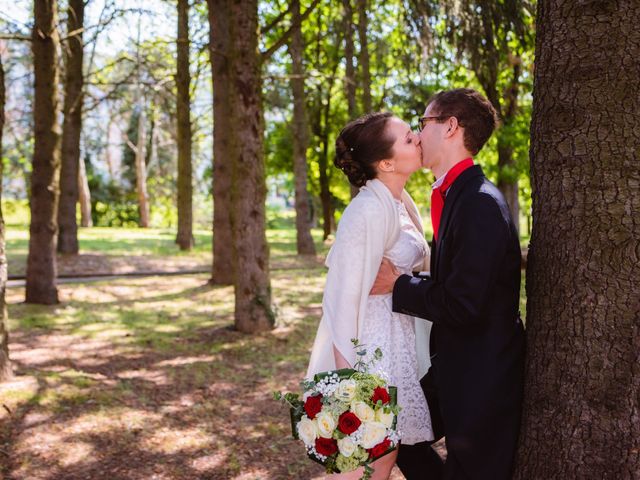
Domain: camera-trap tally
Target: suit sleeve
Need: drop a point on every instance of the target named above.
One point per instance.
(476, 244)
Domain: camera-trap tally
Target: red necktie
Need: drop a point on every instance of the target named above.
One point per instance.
(439, 193)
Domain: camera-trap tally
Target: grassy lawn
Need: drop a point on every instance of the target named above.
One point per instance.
(143, 378)
(153, 249)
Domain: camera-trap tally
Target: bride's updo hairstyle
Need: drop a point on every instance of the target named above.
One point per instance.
(361, 144)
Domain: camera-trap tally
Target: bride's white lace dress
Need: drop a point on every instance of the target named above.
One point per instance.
(394, 334)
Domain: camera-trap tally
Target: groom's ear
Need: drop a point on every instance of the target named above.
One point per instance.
(452, 126)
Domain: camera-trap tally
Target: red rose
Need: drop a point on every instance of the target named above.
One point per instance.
(313, 405)
(380, 393)
(380, 449)
(326, 446)
(348, 423)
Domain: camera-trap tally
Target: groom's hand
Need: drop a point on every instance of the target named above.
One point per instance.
(387, 276)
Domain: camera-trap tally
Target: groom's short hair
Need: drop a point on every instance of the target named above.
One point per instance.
(473, 111)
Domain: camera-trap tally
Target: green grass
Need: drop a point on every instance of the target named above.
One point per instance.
(131, 367)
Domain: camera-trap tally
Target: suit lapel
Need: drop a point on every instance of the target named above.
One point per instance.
(452, 196)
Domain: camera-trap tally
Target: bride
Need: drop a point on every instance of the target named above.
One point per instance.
(378, 153)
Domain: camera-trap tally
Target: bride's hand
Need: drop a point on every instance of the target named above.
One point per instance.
(387, 276)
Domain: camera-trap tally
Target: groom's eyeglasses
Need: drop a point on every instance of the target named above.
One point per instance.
(422, 121)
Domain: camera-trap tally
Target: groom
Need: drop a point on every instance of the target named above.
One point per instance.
(474, 386)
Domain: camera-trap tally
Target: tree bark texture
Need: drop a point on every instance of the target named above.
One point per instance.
(582, 404)
(222, 271)
(45, 176)
(5, 364)
(252, 285)
(71, 129)
(304, 241)
(183, 80)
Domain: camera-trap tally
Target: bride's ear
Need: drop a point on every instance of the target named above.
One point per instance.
(386, 166)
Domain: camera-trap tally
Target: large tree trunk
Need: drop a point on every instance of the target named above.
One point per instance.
(71, 129)
(582, 408)
(253, 308)
(183, 79)
(141, 169)
(363, 55)
(304, 241)
(84, 195)
(5, 364)
(222, 271)
(45, 176)
(252, 285)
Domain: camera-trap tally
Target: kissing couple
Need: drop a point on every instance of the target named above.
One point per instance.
(445, 317)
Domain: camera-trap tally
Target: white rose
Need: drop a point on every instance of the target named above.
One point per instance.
(363, 411)
(326, 424)
(346, 390)
(372, 434)
(307, 430)
(346, 446)
(384, 418)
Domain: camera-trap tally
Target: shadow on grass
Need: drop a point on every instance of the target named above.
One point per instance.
(158, 386)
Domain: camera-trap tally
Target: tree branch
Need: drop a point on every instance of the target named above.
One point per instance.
(285, 36)
(276, 20)
(15, 37)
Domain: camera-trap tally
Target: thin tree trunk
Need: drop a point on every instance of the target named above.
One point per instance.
(141, 169)
(72, 127)
(363, 55)
(304, 241)
(183, 80)
(107, 151)
(350, 73)
(5, 364)
(506, 183)
(41, 262)
(222, 270)
(84, 195)
(581, 414)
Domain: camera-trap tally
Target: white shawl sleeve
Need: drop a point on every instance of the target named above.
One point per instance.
(353, 262)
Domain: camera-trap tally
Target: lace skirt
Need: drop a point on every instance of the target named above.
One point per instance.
(394, 334)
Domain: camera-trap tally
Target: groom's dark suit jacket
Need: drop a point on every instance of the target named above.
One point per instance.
(477, 339)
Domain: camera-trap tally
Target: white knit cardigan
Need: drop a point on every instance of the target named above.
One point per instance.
(369, 227)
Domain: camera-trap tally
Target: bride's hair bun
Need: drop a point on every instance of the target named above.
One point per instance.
(361, 144)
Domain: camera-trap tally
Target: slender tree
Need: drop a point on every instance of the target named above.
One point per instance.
(71, 129)
(363, 55)
(41, 261)
(350, 71)
(84, 195)
(222, 272)
(5, 364)
(582, 407)
(304, 241)
(183, 80)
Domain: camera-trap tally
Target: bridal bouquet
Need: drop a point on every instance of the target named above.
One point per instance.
(345, 418)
